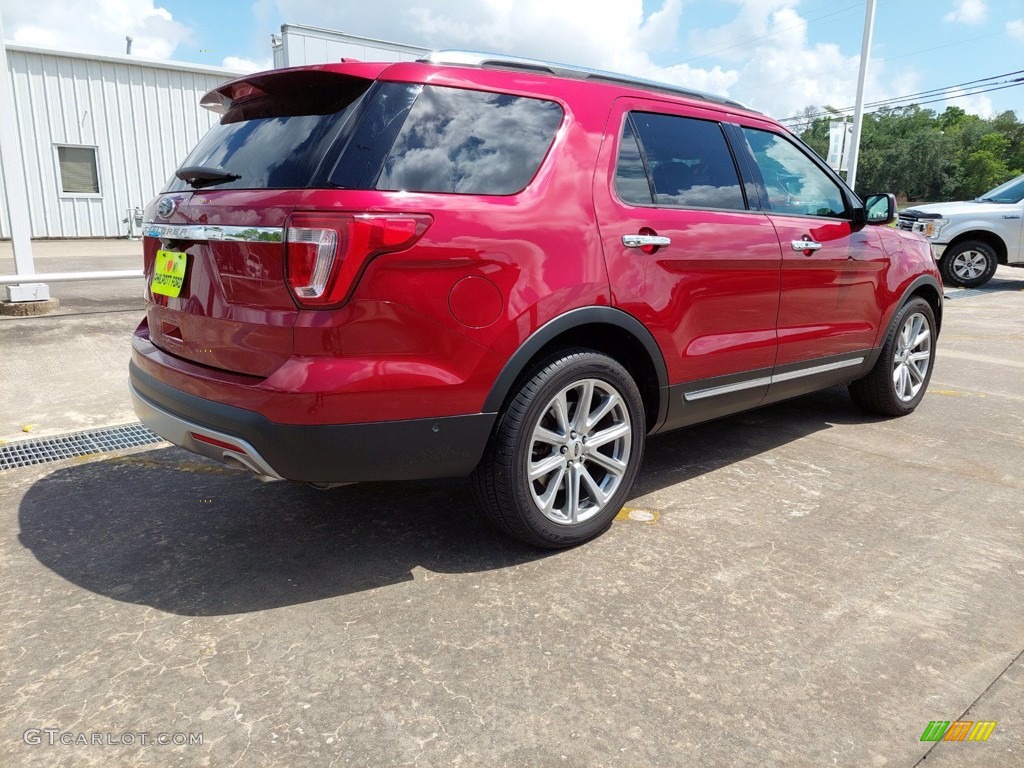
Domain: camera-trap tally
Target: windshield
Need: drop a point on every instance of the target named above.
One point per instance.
(1010, 192)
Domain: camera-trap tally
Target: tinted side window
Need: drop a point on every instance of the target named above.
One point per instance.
(793, 182)
(690, 162)
(470, 142)
(631, 183)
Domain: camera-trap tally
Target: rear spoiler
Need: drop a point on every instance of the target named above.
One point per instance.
(263, 84)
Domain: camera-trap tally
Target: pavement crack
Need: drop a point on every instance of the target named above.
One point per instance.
(981, 695)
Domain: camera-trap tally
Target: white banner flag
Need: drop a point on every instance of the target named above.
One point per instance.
(839, 135)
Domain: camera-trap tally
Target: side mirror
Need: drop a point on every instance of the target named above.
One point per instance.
(880, 209)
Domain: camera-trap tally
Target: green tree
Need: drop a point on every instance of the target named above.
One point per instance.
(921, 155)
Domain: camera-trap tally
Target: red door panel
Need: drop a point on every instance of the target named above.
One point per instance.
(711, 295)
(832, 298)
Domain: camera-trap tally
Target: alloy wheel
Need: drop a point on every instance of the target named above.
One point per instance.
(969, 265)
(912, 358)
(579, 451)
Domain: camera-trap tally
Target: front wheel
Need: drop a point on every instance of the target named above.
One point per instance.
(969, 264)
(897, 383)
(565, 452)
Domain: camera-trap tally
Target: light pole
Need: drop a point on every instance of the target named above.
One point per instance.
(17, 191)
(858, 114)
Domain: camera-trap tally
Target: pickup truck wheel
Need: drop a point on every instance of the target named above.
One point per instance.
(897, 383)
(969, 264)
(565, 452)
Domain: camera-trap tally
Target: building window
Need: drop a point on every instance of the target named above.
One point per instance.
(78, 174)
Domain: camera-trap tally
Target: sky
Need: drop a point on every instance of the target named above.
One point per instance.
(778, 56)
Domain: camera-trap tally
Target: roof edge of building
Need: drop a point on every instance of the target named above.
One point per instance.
(139, 61)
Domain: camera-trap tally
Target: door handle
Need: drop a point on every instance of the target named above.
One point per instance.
(806, 245)
(639, 241)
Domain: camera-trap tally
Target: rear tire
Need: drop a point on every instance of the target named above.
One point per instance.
(969, 264)
(564, 453)
(897, 383)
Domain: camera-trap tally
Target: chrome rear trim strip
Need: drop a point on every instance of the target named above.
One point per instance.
(204, 232)
(763, 381)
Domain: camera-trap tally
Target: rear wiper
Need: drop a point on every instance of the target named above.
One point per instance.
(198, 176)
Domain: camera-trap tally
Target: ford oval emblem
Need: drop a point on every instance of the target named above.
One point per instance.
(166, 207)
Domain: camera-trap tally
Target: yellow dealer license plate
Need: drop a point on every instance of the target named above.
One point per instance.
(168, 273)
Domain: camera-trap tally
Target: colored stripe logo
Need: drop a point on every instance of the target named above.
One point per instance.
(958, 730)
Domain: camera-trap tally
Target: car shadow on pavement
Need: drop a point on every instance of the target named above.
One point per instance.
(167, 529)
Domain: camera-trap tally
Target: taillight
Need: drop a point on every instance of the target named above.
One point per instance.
(311, 255)
(325, 254)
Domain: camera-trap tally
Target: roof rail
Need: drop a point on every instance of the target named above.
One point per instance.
(500, 61)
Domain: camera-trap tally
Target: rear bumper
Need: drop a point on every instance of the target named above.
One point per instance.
(414, 449)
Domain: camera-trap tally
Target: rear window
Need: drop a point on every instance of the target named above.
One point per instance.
(436, 139)
(278, 141)
(386, 136)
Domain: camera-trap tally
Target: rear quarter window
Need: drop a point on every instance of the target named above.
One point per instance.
(469, 142)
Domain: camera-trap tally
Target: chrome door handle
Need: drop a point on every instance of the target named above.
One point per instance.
(806, 245)
(639, 241)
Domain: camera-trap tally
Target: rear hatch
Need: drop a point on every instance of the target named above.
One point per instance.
(226, 209)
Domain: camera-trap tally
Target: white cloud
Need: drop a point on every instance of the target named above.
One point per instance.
(778, 71)
(976, 104)
(967, 12)
(100, 25)
(248, 65)
(1015, 29)
(763, 57)
(605, 34)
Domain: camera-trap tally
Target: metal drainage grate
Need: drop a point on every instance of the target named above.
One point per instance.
(28, 452)
(963, 293)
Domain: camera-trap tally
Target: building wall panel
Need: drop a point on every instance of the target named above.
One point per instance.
(143, 118)
(307, 45)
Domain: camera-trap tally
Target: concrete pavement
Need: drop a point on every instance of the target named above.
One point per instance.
(67, 371)
(814, 586)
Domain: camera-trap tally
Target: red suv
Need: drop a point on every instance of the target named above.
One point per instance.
(504, 268)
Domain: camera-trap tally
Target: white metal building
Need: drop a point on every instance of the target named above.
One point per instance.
(99, 134)
(298, 45)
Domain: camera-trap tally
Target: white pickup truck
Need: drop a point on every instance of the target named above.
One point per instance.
(974, 237)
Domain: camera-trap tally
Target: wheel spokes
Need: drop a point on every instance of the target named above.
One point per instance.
(545, 435)
(547, 499)
(545, 467)
(571, 471)
(560, 408)
(602, 410)
(572, 493)
(579, 419)
(912, 357)
(593, 489)
(605, 436)
(607, 463)
(915, 374)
